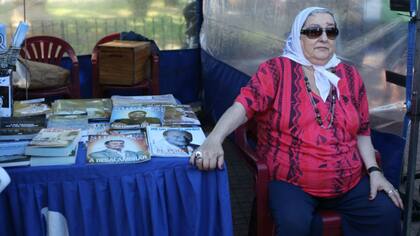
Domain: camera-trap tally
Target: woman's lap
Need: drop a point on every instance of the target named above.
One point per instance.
(294, 210)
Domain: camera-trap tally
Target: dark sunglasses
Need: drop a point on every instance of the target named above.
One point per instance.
(316, 32)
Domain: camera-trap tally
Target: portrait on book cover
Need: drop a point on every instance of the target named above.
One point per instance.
(136, 117)
(174, 142)
(116, 149)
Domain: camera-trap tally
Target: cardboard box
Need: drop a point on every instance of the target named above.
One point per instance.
(124, 62)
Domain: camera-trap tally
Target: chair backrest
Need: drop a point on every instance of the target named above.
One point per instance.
(107, 38)
(47, 49)
(51, 50)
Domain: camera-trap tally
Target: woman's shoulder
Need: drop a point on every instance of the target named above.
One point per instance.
(278, 61)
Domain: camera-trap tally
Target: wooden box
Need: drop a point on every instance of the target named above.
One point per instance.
(124, 62)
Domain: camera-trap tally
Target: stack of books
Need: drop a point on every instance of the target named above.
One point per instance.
(15, 135)
(54, 146)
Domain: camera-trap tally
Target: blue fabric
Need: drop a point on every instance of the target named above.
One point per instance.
(221, 84)
(391, 148)
(180, 74)
(360, 216)
(165, 196)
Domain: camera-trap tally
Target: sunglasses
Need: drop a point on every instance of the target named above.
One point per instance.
(316, 32)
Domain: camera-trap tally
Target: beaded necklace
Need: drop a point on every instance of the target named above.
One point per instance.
(316, 110)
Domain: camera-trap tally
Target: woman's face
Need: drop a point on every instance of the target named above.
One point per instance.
(319, 50)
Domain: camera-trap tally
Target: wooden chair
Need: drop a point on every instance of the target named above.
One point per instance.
(51, 50)
(245, 138)
(146, 87)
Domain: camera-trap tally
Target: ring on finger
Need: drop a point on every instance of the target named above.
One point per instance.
(198, 156)
(390, 191)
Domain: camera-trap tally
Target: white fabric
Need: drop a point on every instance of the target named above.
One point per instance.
(293, 51)
(4, 179)
(56, 223)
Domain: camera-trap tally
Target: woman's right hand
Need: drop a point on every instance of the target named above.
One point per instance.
(209, 155)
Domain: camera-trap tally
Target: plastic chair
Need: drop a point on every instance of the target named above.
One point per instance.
(245, 138)
(51, 50)
(146, 87)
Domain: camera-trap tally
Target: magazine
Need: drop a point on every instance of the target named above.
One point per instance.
(96, 109)
(176, 115)
(135, 117)
(174, 142)
(118, 100)
(117, 148)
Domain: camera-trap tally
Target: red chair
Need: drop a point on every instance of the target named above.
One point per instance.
(245, 138)
(51, 50)
(147, 87)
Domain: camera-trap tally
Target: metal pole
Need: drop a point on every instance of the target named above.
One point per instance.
(414, 113)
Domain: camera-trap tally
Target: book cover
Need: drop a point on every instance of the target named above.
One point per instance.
(96, 109)
(12, 128)
(118, 100)
(32, 107)
(14, 160)
(54, 142)
(135, 117)
(176, 115)
(117, 148)
(174, 142)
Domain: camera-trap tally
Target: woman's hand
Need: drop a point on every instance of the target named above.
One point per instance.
(209, 155)
(378, 182)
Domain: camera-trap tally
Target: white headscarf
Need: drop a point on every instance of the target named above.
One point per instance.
(293, 51)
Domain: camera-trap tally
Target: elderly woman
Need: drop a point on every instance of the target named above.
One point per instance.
(313, 131)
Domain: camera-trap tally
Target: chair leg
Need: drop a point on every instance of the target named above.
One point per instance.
(252, 227)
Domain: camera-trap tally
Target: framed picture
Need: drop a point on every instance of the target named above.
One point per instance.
(6, 97)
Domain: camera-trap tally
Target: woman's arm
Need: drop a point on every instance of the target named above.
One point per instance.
(211, 150)
(378, 181)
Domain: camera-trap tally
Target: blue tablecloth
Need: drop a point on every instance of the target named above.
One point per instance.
(164, 196)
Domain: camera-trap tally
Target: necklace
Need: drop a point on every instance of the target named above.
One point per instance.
(315, 107)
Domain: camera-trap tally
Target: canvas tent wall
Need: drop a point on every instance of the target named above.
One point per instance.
(236, 36)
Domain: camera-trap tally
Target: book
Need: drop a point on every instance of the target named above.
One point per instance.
(68, 121)
(53, 142)
(118, 100)
(179, 115)
(174, 141)
(96, 109)
(13, 147)
(15, 128)
(55, 160)
(32, 107)
(135, 117)
(14, 160)
(117, 148)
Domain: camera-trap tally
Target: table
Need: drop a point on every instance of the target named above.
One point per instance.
(164, 196)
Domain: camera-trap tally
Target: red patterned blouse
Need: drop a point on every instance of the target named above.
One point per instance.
(323, 162)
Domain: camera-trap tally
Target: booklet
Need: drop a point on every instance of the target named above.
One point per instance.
(118, 100)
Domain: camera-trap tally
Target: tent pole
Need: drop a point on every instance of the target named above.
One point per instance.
(413, 113)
